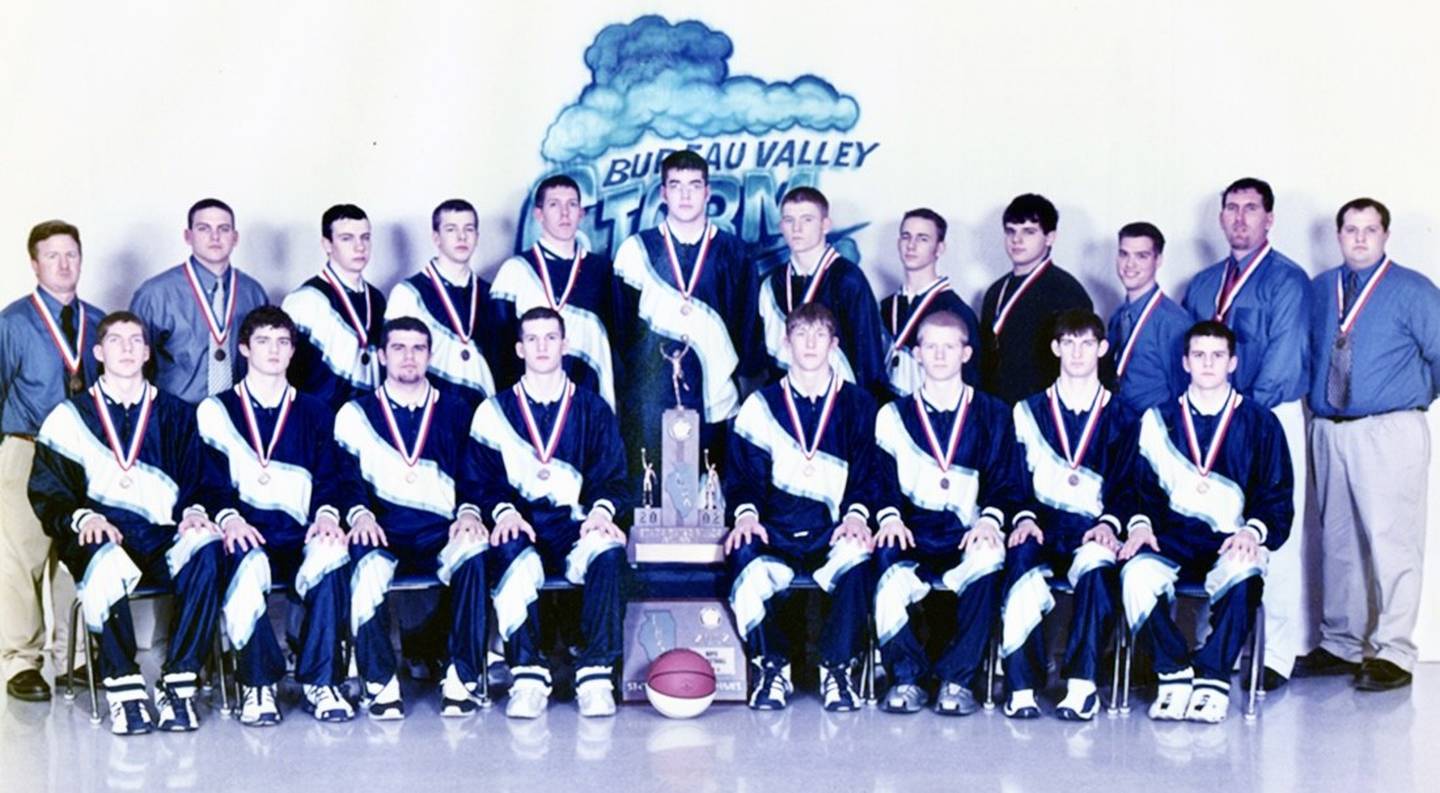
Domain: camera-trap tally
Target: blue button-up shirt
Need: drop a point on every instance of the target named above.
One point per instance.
(1394, 344)
(179, 335)
(1155, 373)
(1270, 316)
(32, 372)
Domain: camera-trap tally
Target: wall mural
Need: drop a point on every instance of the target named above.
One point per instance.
(656, 87)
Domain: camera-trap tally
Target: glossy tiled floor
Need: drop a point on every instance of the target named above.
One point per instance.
(1315, 736)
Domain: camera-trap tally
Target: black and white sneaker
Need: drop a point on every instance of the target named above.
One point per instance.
(955, 699)
(1022, 705)
(837, 689)
(257, 706)
(175, 702)
(127, 698)
(382, 700)
(327, 703)
(1081, 701)
(772, 687)
(459, 698)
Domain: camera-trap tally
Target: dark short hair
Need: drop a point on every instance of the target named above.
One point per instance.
(403, 323)
(266, 317)
(1075, 322)
(811, 314)
(1032, 208)
(339, 212)
(540, 313)
(119, 317)
(925, 213)
(684, 160)
(207, 203)
(807, 195)
(943, 319)
(1267, 195)
(1142, 229)
(448, 205)
(44, 231)
(1211, 329)
(556, 181)
(1363, 203)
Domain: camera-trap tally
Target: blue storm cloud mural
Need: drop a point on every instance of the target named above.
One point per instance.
(658, 86)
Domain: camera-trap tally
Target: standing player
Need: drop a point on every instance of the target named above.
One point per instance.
(551, 473)
(559, 274)
(271, 451)
(117, 482)
(190, 309)
(1147, 330)
(338, 314)
(949, 480)
(45, 358)
(403, 449)
(689, 296)
(1213, 497)
(454, 304)
(1376, 333)
(1078, 445)
(801, 480)
(1264, 297)
(921, 243)
(1018, 311)
(817, 273)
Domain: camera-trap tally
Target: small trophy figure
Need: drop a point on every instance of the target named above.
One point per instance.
(677, 376)
(712, 484)
(647, 486)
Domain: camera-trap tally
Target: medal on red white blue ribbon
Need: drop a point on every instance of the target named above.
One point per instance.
(545, 447)
(1204, 463)
(687, 290)
(411, 456)
(812, 447)
(126, 458)
(1077, 456)
(945, 458)
(263, 451)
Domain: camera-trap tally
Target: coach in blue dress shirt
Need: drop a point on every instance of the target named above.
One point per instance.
(1264, 297)
(1376, 336)
(1147, 331)
(192, 310)
(46, 354)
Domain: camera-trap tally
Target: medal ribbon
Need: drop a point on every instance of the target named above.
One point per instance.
(811, 448)
(126, 459)
(545, 449)
(1347, 321)
(1129, 350)
(1097, 406)
(961, 411)
(72, 362)
(549, 286)
(1226, 415)
(1008, 305)
(463, 331)
(431, 397)
(264, 452)
(927, 296)
(361, 329)
(218, 332)
(687, 289)
(827, 258)
(1224, 298)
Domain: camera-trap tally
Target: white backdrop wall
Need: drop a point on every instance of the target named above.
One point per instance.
(119, 115)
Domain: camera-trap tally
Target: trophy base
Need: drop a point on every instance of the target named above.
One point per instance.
(704, 625)
(652, 543)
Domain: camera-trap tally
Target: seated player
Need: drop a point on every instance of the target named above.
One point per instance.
(949, 477)
(117, 482)
(801, 482)
(402, 449)
(270, 453)
(816, 272)
(550, 471)
(1213, 498)
(1077, 443)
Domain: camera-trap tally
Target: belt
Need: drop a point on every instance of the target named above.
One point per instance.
(1348, 419)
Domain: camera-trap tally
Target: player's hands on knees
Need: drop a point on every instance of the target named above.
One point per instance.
(325, 529)
(241, 536)
(468, 524)
(1243, 545)
(895, 532)
(983, 533)
(97, 530)
(1104, 536)
(746, 529)
(601, 521)
(365, 531)
(1141, 536)
(195, 521)
(509, 527)
(853, 528)
(1026, 529)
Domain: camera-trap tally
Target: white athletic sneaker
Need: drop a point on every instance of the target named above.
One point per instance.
(1172, 698)
(1081, 701)
(175, 702)
(1209, 702)
(257, 706)
(837, 688)
(772, 687)
(459, 698)
(528, 699)
(594, 691)
(382, 700)
(1022, 705)
(326, 703)
(127, 697)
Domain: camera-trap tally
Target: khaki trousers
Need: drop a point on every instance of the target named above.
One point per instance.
(27, 564)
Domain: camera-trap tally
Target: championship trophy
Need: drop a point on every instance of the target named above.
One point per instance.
(688, 526)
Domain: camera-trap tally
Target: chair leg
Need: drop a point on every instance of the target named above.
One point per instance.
(1257, 662)
(992, 660)
(867, 669)
(1128, 665)
(70, 651)
(223, 679)
(1115, 671)
(90, 678)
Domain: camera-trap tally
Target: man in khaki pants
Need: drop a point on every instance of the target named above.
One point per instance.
(1376, 335)
(46, 340)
